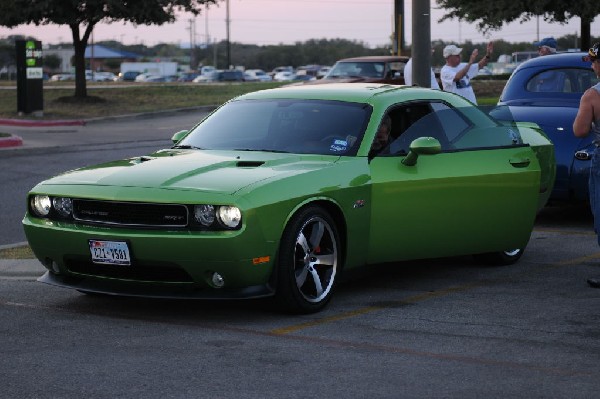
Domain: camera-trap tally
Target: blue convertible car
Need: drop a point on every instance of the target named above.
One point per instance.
(546, 90)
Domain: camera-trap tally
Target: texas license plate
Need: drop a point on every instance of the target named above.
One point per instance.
(110, 252)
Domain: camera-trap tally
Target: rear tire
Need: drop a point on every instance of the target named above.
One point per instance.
(308, 260)
(507, 257)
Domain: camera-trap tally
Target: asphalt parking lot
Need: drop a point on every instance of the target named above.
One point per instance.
(435, 328)
(438, 328)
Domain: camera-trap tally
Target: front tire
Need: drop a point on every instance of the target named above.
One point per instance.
(308, 261)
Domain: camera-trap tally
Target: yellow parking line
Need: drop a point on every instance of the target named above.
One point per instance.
(370, 309)
(576, 261)
(410, 300)
(565, 232)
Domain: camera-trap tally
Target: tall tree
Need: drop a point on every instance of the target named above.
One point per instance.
(82, 16)
(492, 14)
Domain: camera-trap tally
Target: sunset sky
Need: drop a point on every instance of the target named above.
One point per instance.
(266, 22)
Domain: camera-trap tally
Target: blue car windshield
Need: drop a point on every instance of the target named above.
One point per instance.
(290, 125)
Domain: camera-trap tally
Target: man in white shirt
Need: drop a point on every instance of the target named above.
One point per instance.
(408, 74)
(456, 76)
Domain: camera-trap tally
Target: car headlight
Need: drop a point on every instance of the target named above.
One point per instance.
(63, 206)
(41, 205)
(226, 216)
(204, 214)
(230, 216)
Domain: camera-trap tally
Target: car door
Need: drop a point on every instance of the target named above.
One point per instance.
(479, 194)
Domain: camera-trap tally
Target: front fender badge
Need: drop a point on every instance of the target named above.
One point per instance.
(358, 204)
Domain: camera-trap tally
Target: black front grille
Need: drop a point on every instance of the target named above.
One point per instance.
(130, 213)
(139, 271)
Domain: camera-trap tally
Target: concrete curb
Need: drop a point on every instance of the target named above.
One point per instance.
(39, 123)
(15, 245)
(83, 122)
(16, 141)
(20, 269)
(201, 108)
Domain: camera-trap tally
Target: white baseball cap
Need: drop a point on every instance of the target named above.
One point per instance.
(451, 49)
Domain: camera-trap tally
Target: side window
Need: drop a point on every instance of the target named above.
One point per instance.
(483, 132)
(455, 128)
(412, 121)
(566, 80)
(583, 79)
(453, 123)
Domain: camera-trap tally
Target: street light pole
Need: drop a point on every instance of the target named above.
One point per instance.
(227, 22)
(421, 43)
(398, 27)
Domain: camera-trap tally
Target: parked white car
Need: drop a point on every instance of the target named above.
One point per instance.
(278, 69)
(148, 77)
(257, 75)
(208, 77)
(103, 77)
(207, 70)
(62, 76)
(323, 71)
(284, 76)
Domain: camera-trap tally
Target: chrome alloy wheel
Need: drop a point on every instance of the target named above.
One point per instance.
(315, 259)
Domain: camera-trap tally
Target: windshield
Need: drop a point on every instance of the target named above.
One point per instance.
(364, 69)
(294, 126)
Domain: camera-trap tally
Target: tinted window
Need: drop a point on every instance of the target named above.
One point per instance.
(566, 80)
(296, 126)
(455, 128)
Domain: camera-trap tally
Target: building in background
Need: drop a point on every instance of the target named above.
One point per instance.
(97, 57)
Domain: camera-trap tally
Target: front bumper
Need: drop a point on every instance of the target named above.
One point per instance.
(173, 291)
(166, 264)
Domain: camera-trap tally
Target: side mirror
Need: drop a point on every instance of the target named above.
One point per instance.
(177, 137)
(422, 146)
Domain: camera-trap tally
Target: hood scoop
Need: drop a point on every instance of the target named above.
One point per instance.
(249, 164)
(141, 159)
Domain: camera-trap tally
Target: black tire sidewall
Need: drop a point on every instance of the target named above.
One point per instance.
(287, 293)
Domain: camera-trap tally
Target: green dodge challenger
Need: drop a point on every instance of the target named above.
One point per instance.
(279, 192)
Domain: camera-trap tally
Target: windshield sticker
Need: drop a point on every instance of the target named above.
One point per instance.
(338, 146)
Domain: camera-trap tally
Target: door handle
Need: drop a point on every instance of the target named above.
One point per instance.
(520, 162)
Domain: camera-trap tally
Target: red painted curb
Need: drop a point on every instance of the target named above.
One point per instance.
(32, 123)
(12, 141)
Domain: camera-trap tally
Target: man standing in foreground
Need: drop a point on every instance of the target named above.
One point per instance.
(588, 121)
(456, 76)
